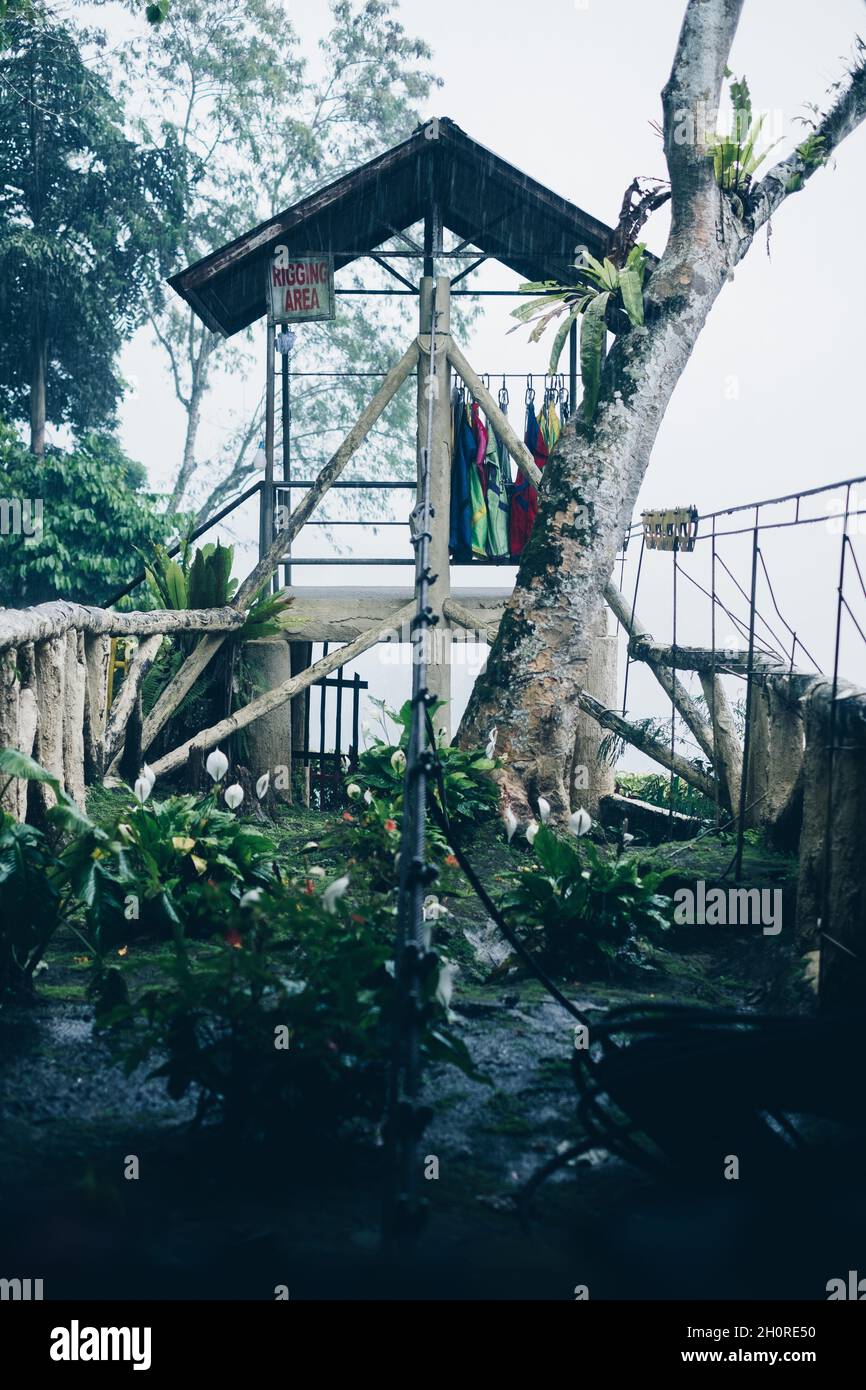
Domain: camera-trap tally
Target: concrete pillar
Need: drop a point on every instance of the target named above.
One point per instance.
(436, 298)
(269, 739)
(589, 778)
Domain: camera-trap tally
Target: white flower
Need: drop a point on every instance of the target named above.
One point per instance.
(142, 789)
(334, 891)
(491, 743)
(234, 795)
(627, 839)
(316, 871)
(433, 910)
(368, 797)
(217, 765)
(310, 845)
(149, 773)
(353, 791)
(579, 822)
(510, 823)
(262, 784)
(445, 983)
(398, 760)
(532, 830)
(252, 896)
(544, 810)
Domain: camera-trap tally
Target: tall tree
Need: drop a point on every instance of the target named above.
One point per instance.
(591, 484)
(267, 127)
(85, 220)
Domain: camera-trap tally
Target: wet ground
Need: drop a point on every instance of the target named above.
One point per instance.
(204, 1219)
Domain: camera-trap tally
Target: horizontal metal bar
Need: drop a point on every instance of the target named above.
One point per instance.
(409, 560)
(288, 485)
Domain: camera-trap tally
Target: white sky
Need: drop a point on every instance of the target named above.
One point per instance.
(773, 397)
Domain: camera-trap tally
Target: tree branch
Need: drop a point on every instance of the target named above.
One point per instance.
(791, 174)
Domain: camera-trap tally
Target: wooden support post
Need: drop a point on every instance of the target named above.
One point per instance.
(728, 757)
(97, 649)
(435, 310)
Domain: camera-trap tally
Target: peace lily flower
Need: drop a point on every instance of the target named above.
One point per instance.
(445, 983)
(433, 910)
(144, 784)
(234, 795)
(510, 823)
(398, 760)
(579, 822)
(262, 784)
(491, 743)
(310, 845)
(532, 830)
(353, 791)
(251, 897)
(217, 765)
(368, 797)
(544, 810)
(334, 892)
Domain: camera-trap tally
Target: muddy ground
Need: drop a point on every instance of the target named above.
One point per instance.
(207, 1220)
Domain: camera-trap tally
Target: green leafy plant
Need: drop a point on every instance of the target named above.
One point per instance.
(95, 511)
(183, 862)
(471, 794)
(601, 287)
(286, 1021)
(735, 156)
(583, 911)
(38, 894)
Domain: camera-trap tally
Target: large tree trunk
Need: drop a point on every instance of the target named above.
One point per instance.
(591, 483)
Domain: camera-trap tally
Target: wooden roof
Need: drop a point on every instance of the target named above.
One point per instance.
(480, 197)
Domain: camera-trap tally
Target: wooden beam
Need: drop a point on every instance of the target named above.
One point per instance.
(636, 736)
(123, 706)
(46, 620)
(272, 699)
(732, 660)
(470, 622)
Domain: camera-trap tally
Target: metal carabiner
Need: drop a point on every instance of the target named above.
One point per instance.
(530, 390)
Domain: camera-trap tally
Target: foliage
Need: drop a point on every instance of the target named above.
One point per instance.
(601, 288)
(581, 910)
(204, 581)
(35, 890)
(87, 219)
(95, 512)
(471, 795)
(287, 1019)
(169, 868)
(735, 156)
(155, 868)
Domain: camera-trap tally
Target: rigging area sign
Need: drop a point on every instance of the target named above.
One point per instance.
(300, 288)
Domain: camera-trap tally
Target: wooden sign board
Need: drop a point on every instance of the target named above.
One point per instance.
(675, 529)
(300, 288)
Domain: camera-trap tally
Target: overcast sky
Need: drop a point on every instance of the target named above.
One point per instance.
(773, 397)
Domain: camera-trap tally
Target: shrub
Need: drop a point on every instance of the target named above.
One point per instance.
(580, 910)
(95, 511)
(470, 792)
(287, 1019)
